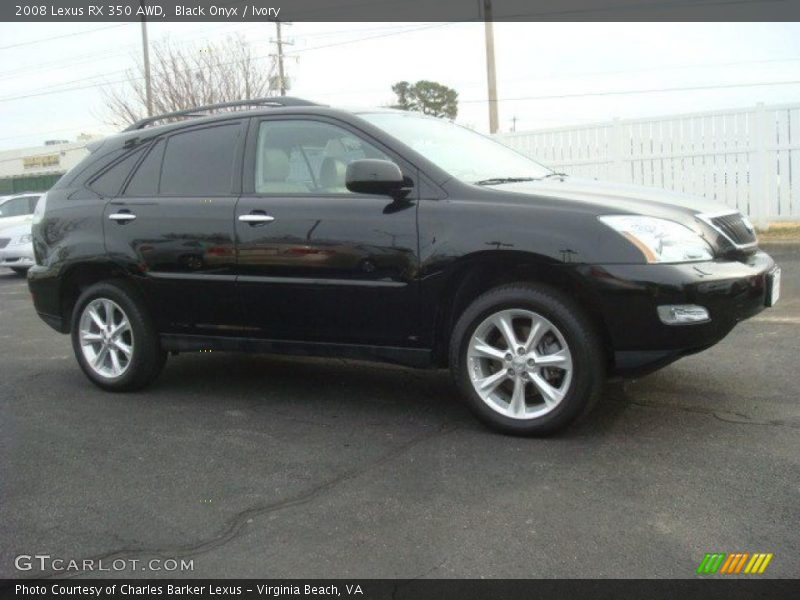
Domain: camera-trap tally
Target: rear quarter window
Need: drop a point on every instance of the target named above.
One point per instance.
(110, 181)
(146, 179)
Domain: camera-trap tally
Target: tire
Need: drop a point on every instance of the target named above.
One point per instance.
(128, 372)
(561, 375)
(20, 271)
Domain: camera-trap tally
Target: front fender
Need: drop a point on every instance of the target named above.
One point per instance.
(452, 229)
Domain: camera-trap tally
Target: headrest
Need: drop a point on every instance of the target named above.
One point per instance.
(335, 149)
(332, 173)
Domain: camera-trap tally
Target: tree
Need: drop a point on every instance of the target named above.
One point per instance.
(428, 97)
(182, 78)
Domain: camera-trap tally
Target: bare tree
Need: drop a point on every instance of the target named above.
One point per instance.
(182, 78)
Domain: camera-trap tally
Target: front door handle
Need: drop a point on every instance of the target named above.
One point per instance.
(122, 217)
(256, 218)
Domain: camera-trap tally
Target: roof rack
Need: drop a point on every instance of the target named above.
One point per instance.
(197, 111)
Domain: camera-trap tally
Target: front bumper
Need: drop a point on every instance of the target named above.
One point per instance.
(628, 297)
(18, 256)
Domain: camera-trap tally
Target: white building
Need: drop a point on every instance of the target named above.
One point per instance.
(38, 168)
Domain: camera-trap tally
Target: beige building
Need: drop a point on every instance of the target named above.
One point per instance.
(38, 168)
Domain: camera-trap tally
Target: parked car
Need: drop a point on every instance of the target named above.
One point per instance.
(17, 208)
(16, 216)
(407, 239)
(16, 248)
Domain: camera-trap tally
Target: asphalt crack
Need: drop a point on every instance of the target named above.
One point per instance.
(237, 524)
(733, 417)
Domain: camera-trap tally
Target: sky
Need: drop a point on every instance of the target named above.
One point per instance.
(52, 75)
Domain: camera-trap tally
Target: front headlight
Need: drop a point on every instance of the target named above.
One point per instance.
(25, 239)
(660, 240)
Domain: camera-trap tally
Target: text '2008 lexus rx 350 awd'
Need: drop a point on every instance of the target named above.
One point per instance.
(288, 227)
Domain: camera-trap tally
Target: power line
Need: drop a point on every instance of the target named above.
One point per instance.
(689, 66)
(64, 35)
(543, 97)
(644, 91)
(48, 91)
(71, 89)
(334, 32)
(471, 83)
(48, 132)
(92, 56)
(631, 7)
(373, 37)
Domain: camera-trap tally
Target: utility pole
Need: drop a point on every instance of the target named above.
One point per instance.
(514, 123)
(280, 43)
(491, 77)
(146, 51)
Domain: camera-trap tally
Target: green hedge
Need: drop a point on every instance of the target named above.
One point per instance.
(27, 183)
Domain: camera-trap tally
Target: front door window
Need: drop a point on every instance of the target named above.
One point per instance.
(306, 157)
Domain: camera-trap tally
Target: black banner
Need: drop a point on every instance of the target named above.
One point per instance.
(418, 589)
(398, 10)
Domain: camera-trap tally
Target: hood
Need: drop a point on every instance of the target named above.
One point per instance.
(611, 198)
(8, 223)
(17, 228)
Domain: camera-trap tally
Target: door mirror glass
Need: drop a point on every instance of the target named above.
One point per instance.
(373, 176)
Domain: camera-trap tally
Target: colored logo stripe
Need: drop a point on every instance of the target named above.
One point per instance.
(734, 563)
(711, 562)
(758, 563)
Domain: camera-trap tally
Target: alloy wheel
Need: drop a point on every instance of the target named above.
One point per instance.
(519, 364)
(106, 338)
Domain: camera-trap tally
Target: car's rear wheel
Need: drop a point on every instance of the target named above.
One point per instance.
(527, 359)
(114, 339)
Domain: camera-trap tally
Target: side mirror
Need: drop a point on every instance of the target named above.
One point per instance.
(371, 176)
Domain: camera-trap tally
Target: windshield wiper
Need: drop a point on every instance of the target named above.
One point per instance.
(554, 174)
(499, 180)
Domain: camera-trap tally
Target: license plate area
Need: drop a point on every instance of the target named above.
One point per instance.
(773, 286)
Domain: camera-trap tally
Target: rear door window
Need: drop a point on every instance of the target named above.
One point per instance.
(200, 162)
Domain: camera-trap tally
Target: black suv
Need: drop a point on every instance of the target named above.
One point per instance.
(383, 235)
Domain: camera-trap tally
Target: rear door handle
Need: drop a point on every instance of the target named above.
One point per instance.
(256, 218)
(122, 217)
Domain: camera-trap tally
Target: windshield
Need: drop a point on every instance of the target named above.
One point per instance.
(465, 154)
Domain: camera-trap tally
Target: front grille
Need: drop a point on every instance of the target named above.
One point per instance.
(4, 242)
(735, 228)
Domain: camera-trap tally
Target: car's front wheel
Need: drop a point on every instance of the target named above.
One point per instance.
(527, 359)
(114, 339)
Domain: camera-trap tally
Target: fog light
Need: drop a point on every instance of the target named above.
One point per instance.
(682, 314)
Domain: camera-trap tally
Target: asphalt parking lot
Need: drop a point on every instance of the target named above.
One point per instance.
(261, 466)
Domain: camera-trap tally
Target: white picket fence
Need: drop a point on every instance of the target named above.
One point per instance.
(747, 158)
